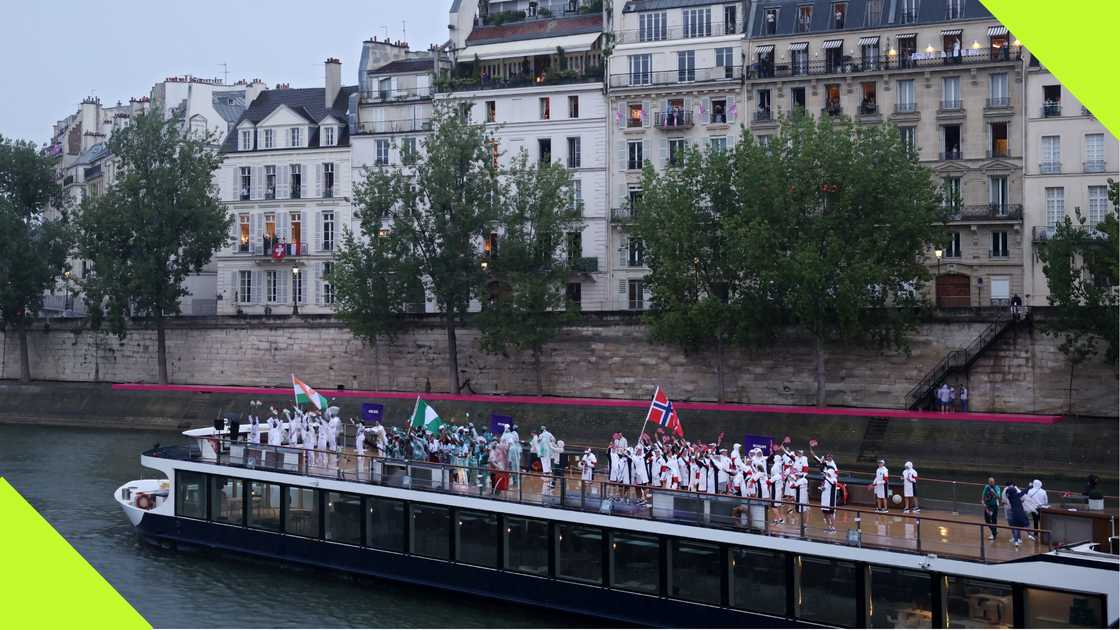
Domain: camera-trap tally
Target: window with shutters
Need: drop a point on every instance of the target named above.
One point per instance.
(575, 195)
(268, 138)
(545, 104)
(295, 181)
(329, 139)
(328, 289)
(243, 232)
(269, 233)
(635, 252)
(295, 221)
(246, 140)
(635, 115)
(297, 286)
(634, 156)
(635, 295)
(244, 287)
(328, 230)
(1055, 205)
(697, 22)
(270, 182)
(381, 152)
(271, 286)
(574, 158)
(1098, 205)
(718, 114)
(328, 180)
(295, 137)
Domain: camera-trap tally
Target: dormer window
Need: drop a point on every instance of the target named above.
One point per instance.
(329, 136)
(296, 137)
(269, 139)
(246, 139)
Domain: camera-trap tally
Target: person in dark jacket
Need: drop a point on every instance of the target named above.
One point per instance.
(991, 498)
(1016, 515)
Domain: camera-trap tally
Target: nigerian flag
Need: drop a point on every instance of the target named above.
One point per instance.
(424, 416)
(307, 396)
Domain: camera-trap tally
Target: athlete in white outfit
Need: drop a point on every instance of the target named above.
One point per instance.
(909, 482)
(779, 488)
(587, 465)
(880, 486)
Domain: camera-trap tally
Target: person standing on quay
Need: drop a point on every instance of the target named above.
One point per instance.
(880, 486)
(909, 485)
(991, 497)
(1016, 515)
(964, 399)
(1033, 503)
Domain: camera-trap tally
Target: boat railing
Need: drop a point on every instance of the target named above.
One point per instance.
(858, 527)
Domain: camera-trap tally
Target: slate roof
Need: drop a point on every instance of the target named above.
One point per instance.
(229, 105)
(535, 29)
(661, 5)
(929, 12)
(405, 65)
(307, 102)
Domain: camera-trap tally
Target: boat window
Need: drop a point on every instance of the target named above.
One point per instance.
(977, 603)
(264, 505)
(828, 592)
(342, 520)
(385, 524)
(190, 494)
(526, 543)
(226, 500)
(430, 531)
(900, 598)
(758, 580)
(301, 516)
(1057, 609)
(695, 571)
(635, 562)
(476, 538)
(579, 553)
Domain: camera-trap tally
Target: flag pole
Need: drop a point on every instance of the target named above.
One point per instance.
(415, 406)
(646, 421)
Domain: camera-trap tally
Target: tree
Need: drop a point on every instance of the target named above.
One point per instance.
(430, 215)
(847, 217)
(160, 221)
(703, 283)
(35, 248)
(527, 275)
(1081, 263)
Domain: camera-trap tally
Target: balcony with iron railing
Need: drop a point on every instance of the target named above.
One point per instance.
(673, 120)
(272, 248)
(832, 109)
(710, 74)
(949, 155)
(906, 108)
(999, 152)
(881, 63)
(392, 96)
(624, 214)
(1093, 166)
(997, 102)
(584, 264)
(543, 79)
(953, 105)
(395, 126)
(1050, 168)
(1043, 233)
(1051, 110)
(763, 116)
(677, 31)
(989, 212)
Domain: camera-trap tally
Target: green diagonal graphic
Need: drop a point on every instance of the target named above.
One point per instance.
(1076, 41)
(45, 582)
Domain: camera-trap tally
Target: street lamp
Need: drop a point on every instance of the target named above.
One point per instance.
(295, 290)
(937, 253)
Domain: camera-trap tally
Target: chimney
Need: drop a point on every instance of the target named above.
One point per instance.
(90, 117)
(253, 90)
(333, 80)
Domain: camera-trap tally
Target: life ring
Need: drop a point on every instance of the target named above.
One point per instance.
(144, 501)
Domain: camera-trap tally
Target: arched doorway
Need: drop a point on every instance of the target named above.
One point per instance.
(954, 290)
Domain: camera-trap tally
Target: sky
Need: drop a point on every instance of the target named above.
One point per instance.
(56, 52)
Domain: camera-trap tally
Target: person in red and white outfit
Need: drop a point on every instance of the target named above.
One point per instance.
(880, 486)
(909, 483)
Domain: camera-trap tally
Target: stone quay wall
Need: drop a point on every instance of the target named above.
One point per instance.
(609, 357)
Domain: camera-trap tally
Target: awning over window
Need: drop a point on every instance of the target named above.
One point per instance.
(832, 43)
(997, 31)
(869, 41)
(951, 32)
(529, 48)
(764, 50)
(906, 36)
(797, 46)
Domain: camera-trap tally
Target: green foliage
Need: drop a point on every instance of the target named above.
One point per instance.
(503, 17)
(825, 228)
(159, 222)
(1081, 263)
(435, 214)
(35, 248)
(595, 6)
(528, 274)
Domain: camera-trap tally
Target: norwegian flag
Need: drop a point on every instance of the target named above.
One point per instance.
(663, 414)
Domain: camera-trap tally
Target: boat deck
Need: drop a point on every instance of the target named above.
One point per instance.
(932, 531)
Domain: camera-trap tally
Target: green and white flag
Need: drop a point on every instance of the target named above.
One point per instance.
(307, 396)
(424, 416)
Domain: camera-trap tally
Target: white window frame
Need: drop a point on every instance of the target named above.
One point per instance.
(381, 152)
(696, 22)
(269, 139)
(907, 95)
(635, 147)
(271, 286)
(244, 287)
(1055, 205)
(651, 26)
(246, 139)
(295, 137)
(641, 69)
(1098, 205)
(329, 139)
(717, 144)
(327, 238)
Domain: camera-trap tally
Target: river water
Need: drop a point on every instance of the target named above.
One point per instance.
(69, 476)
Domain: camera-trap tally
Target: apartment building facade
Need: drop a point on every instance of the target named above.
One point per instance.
(675, 79)
(286, 178)
(948, 75)
(537, 84)
(1070, 158)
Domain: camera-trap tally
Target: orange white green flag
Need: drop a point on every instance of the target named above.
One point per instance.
(307, 396)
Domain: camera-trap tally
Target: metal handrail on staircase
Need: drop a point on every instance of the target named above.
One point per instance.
(955, 359)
